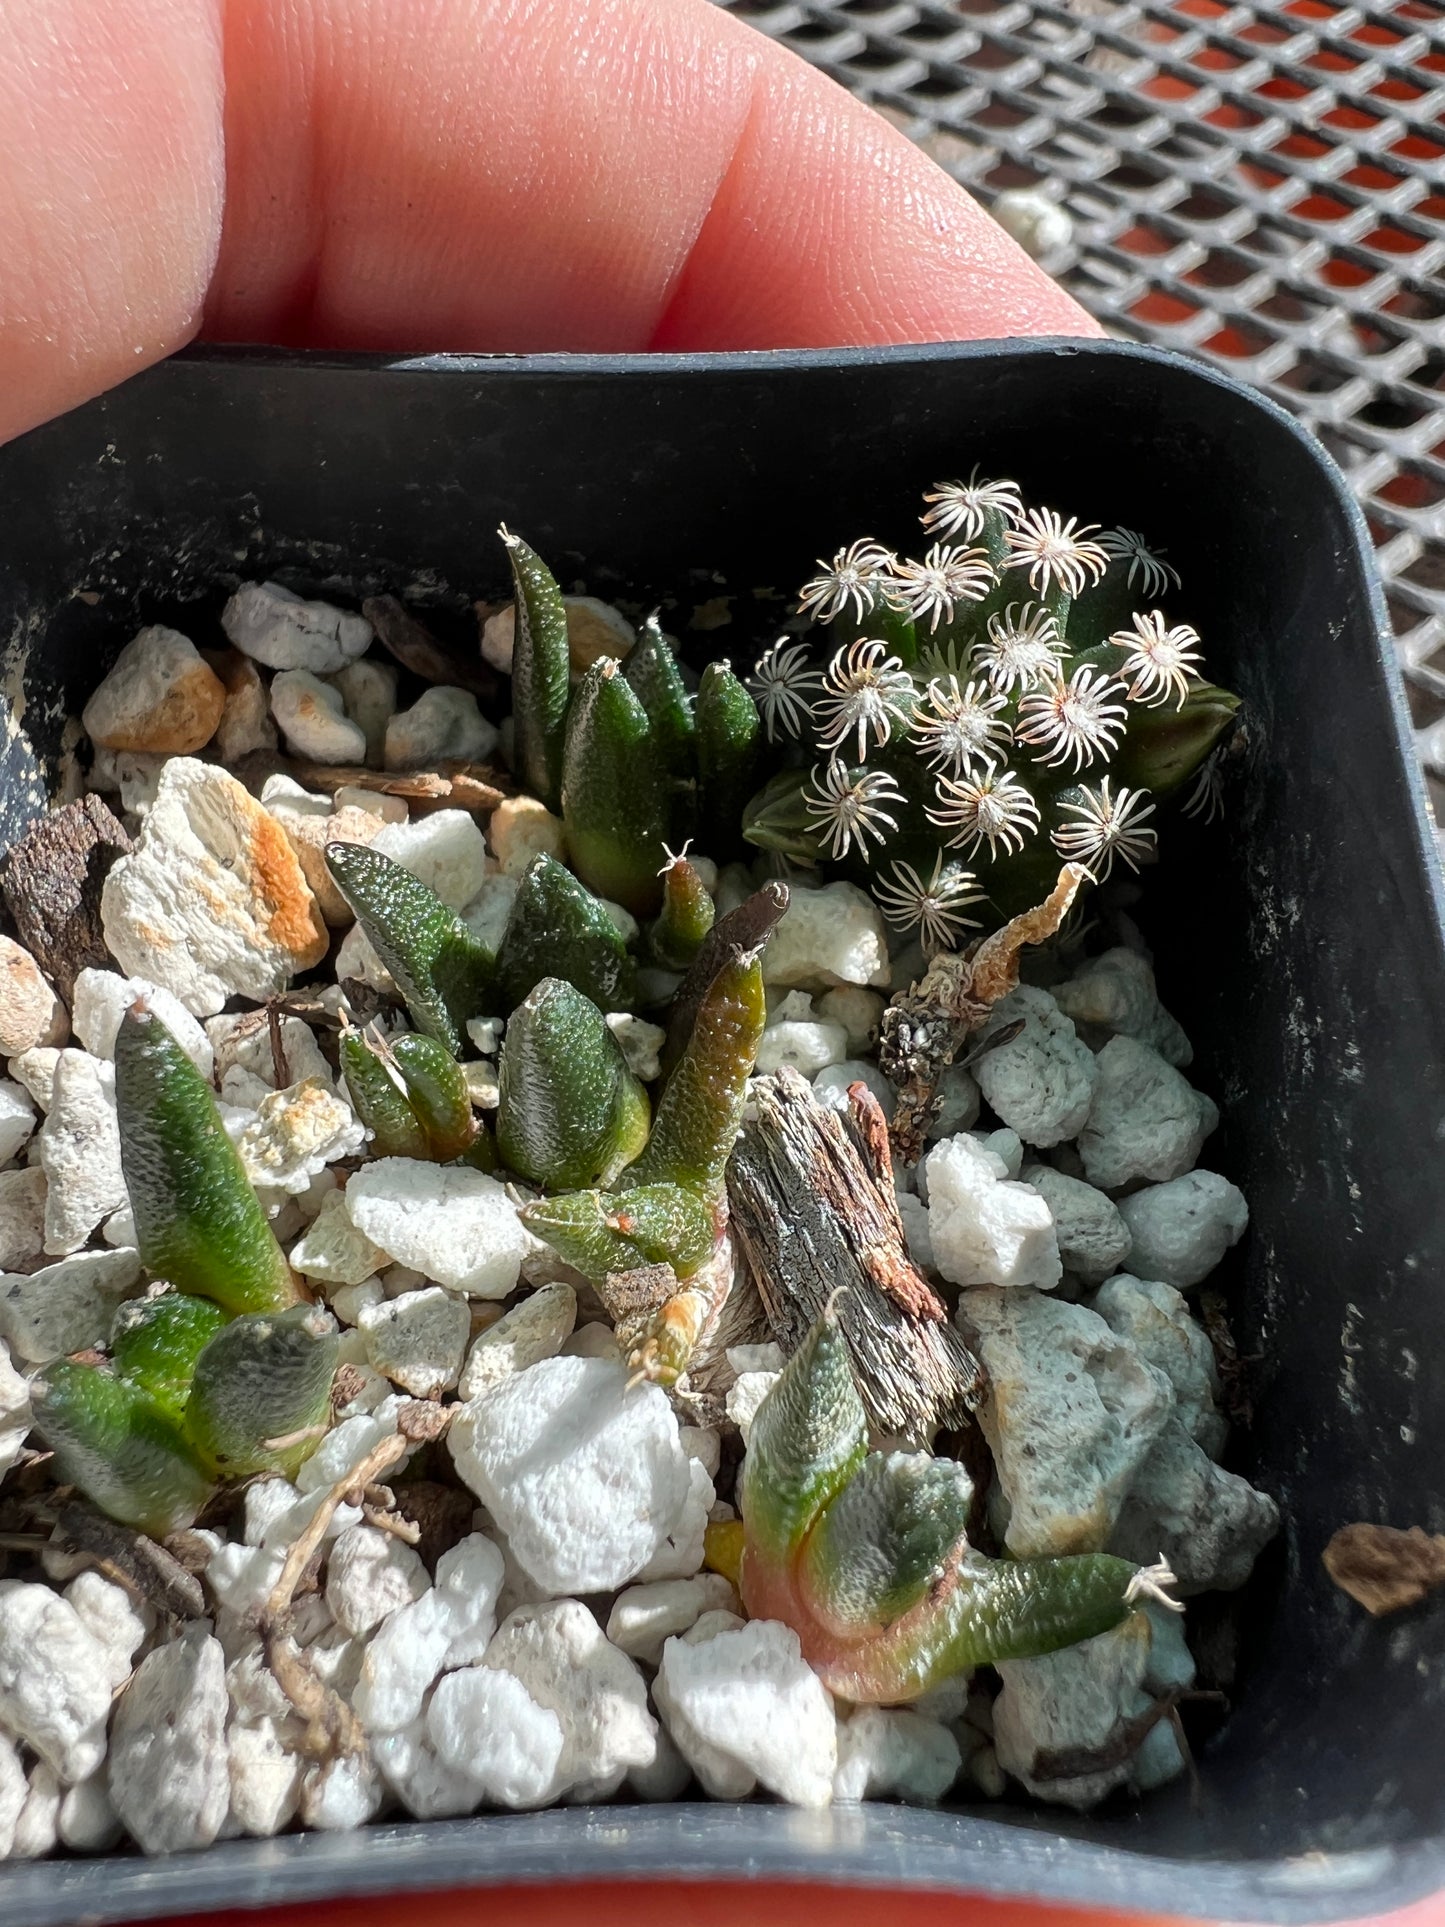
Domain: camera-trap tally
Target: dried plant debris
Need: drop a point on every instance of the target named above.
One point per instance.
(1385, 1569)
(816, 1216)
(550, 1249)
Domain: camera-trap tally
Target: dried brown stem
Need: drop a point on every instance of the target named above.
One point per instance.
(450, 786)
(144, 1568)
(926, 1027)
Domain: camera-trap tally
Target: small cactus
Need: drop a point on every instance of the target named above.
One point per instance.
(1011, 698)
(865, 1556)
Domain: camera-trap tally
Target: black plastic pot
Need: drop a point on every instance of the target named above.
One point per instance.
(1301, 942)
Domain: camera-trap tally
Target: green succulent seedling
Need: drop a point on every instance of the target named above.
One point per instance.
(557, 928)
(221, 1372)
(444, 973)
(261, 1393)
(412, 1096)
(571, 1114)
(671, 1208)
(687, 914)
(634, 761)
(197, 1222)
(865, 1556)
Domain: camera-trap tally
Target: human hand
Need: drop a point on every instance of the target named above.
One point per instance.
(458, 174)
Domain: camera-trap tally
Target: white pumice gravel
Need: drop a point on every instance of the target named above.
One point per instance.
(276, 627)
(101, 999)
(78, 1149)
(245, 724)
(521, 829)
(806, 1048)
(959, 1103)
(893, 1752)
(22, 1216)
(418, 1340)
(984, 1227)
(443, 724)
(1181, 1230)
(311, 715)
(159, 695)
(585, 1477)
(559, 1654)
(296, 1133)
(1041, 1083)
(831, 1084)
(1145, 1120)
(744, 1708)
(15, 1413)
(1071, 1414)
(831, 936)
(456, 1226)
(859, 1011)
(641, 1043)
(67, 1306)
(369, 691)
(745, 1395)
(332, 1250)
(212, 902)
(55, 1679)
(1115, 993)
(17, 1119)
(1094, 1239)
(1155, 1319)
(644, 1618)
(30, 1011)
(449, 1625)
(485, 1726)
(370, 1574)
(445, 851)
(535, 1328)
(1209, 1524)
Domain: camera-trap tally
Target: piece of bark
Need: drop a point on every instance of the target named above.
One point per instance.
(408, 639)
(1383, 1568)
(811, 1211)
(53, 879)
(450, 786)
(136, 1562)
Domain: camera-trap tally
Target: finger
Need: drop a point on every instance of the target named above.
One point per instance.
(485, 174)
(604, 174)
(111, 184)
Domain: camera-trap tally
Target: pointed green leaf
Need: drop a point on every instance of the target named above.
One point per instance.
(155, 1343)
(653, 675)
(729, 743)
(809, 1439)
(616, 800)
(541, 672)
(198, 1224)
(1164, 747)
(381, 1101)
(598, 1232)
(687, 916)
(557, 928)
(885, 1540)
(443, 972)
(571, 1114)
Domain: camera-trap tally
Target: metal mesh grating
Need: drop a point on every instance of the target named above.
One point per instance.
(1261, 184)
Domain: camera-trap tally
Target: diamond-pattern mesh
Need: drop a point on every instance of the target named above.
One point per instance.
(1261, 184)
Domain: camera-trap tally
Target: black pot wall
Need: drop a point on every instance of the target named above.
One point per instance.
(1301, 943)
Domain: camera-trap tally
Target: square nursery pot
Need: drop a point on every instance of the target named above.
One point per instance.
(1301, 942)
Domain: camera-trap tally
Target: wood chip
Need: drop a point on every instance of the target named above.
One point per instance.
(812, 1210)
(408, 639)
(1383, 1568)
(53, 879)
(450, 786)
